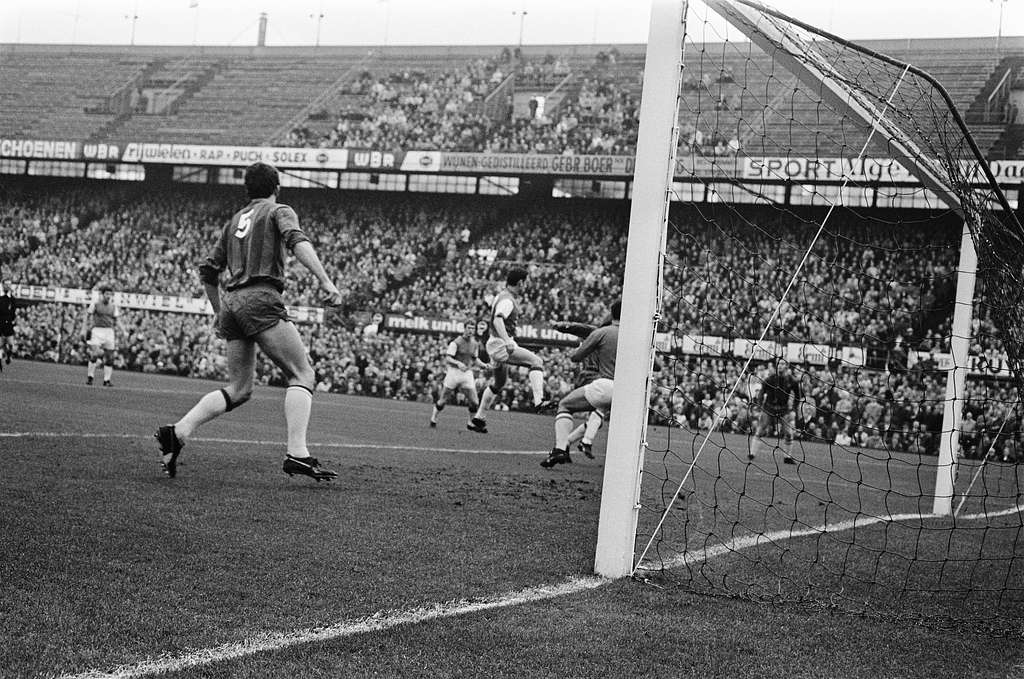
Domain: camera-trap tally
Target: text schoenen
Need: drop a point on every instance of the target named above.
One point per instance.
(307, 466)
(88, 380)
(587, 449)
(170, 448)
(556, 457)
(433, 425)
(478, 425)
(107, 383)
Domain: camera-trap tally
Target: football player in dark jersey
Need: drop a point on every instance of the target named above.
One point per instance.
(8, 306)
(244, 278)
(779, 395)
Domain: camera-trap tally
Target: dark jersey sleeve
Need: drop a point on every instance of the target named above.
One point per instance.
(288, 225)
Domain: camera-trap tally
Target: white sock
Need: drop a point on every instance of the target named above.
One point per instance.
(298, 403)
(594, 422)
(90, 369)
(486, 401)
(210, 406)
(563, 425)
(108, 372)
(537, 385)
(577, 433)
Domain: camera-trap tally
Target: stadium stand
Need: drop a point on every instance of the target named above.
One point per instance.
(441, 255)
(478, 97)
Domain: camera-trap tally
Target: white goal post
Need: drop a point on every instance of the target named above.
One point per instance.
(648, 222)
(652, 184)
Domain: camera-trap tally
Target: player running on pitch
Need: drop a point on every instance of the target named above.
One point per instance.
(504, 351)
(250, 313)
(779, 396)
(461, 356)
(596, 394)
(100, 325)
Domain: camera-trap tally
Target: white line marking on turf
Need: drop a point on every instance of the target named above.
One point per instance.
(387, 620)
(264, 442)
(375, 623)
(747, 541)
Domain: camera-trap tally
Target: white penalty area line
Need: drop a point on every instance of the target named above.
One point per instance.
(378, 622)
(264, 442)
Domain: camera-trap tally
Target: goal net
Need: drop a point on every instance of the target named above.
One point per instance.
(828, 215)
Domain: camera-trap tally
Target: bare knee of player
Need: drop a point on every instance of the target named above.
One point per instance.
(574, 402)
(284, 347)
(442, 399)
(238, 390)
(789, 428)
(303, 376)
(533, 361)
(499, 377)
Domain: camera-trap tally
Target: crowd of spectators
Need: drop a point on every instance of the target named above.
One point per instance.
(893, 409)
(866, 283)
(595, 110)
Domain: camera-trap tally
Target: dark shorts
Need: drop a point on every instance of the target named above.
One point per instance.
(770, 419)
(6, 329)
(248, 311)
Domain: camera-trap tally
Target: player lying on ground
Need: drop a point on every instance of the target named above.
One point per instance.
(250, 313)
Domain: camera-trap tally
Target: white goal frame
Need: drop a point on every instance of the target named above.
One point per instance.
(652, 184)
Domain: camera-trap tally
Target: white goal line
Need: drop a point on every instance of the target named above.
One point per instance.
(748, 541)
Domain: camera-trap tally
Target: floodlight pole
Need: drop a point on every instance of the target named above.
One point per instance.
(648, 219)
(956, 379)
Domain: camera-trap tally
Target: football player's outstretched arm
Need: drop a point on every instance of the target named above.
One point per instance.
(586, 347)
(306, 254)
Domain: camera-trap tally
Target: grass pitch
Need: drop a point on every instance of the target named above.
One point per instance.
(436, 553)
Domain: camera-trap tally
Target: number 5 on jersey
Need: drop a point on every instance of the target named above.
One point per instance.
(244, 224)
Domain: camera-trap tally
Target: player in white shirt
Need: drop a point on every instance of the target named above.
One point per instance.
(505, 351)
(461, 356)
(99, 327)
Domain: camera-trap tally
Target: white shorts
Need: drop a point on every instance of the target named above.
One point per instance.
(599, 394)
(102, 338)
(498, 350)
(459, 379)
